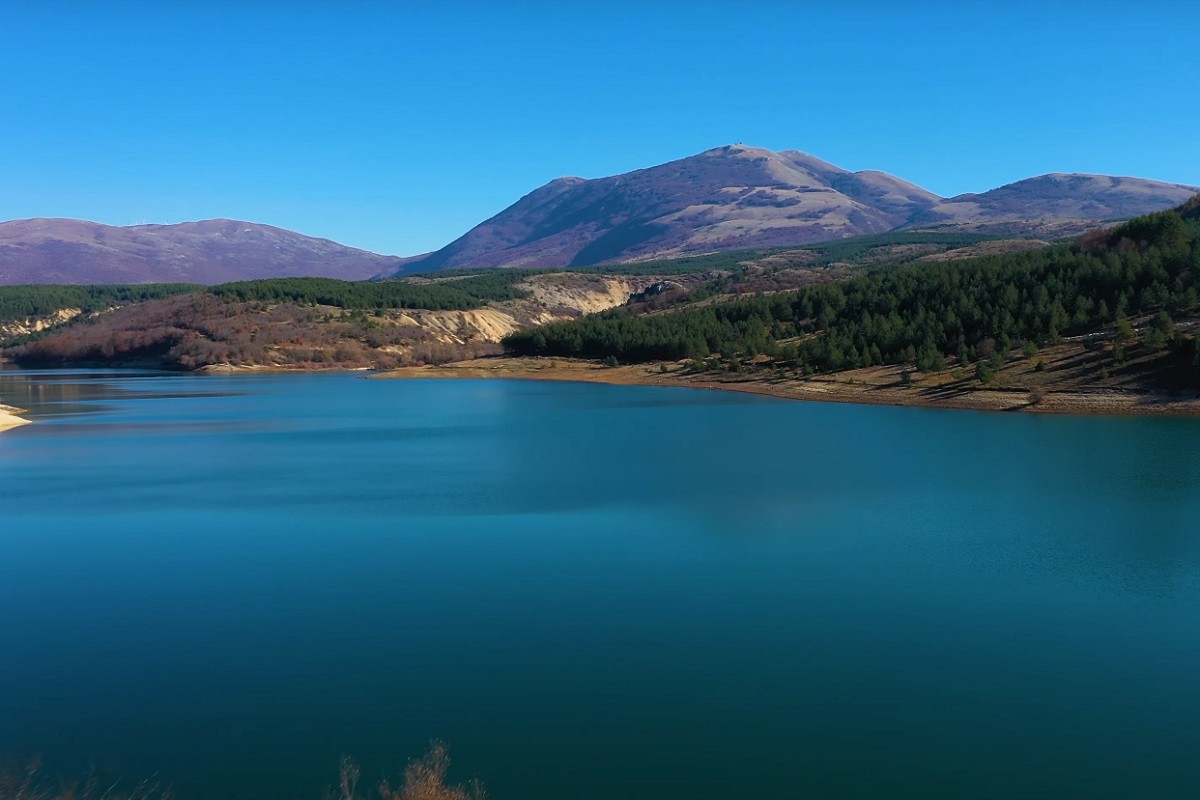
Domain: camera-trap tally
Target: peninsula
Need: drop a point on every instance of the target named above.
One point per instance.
(9, 418)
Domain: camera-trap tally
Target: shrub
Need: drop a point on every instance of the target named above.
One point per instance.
(424, 779)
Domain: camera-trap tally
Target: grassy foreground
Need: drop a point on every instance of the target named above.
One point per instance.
(423, 779)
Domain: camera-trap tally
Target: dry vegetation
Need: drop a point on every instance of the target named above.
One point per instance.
(201, 330)
(326, 324)
(1076, 377)
(31, 782)
(424, 778)
(984, 249)
(210, 329)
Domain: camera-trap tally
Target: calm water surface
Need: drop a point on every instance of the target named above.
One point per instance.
(594, 591)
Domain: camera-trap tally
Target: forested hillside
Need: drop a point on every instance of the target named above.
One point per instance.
(923, 313)
(890, 247)
(36, 312)
(18, 303)
(823, 309)
(469, 292)
(39, 300)
(304, 323)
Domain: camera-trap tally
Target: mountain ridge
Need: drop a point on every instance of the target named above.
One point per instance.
(1052, 201)
(727, 198)
(72, 251)
(736, 196)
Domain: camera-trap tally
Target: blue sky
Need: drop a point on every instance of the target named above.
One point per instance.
(397, 126)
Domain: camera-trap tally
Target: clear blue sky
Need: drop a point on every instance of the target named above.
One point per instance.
(397, 126)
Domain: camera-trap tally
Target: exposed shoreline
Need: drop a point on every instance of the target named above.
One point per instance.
(871, 386)
(876, 386)
(9, 418)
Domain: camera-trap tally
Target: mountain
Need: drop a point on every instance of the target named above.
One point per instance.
(1054, 204)
(722, 199)
(728, 198)
(212, 251)
(740, 197)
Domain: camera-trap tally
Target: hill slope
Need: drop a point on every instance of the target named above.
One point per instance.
(212, 251)
(723, 199)
(743, 197)
(1140, 274)
(1106, 322)
(307, 323)
(1055, 204)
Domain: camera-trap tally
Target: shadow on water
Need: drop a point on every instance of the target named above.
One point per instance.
(58, 392)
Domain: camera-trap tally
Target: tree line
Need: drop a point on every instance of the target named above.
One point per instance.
(22, 302)
(460, 290)
(917, 313)
(458, 294)
(18, 303)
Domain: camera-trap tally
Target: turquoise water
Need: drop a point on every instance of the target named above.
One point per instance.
(594, 591)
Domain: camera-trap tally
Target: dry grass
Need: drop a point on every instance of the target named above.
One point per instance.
(32, 783)
(424, 779)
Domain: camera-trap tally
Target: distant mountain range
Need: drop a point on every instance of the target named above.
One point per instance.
(723, 199)
(213, 251)
(739, 197)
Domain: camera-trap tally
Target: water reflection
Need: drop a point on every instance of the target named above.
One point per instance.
(53, 392)
(269, 571)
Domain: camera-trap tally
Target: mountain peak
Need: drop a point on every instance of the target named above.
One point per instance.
(736, 150)
(727, 197)
(738, 196)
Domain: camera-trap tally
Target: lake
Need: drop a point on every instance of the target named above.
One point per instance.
(594, 591)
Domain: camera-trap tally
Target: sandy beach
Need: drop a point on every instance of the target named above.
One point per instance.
(874, 386)
(9, 418)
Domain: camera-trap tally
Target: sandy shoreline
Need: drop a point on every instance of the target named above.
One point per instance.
(9, 418)
(878, 386)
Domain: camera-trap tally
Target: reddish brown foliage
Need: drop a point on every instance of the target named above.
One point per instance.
(201, 330)
(424, 779)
